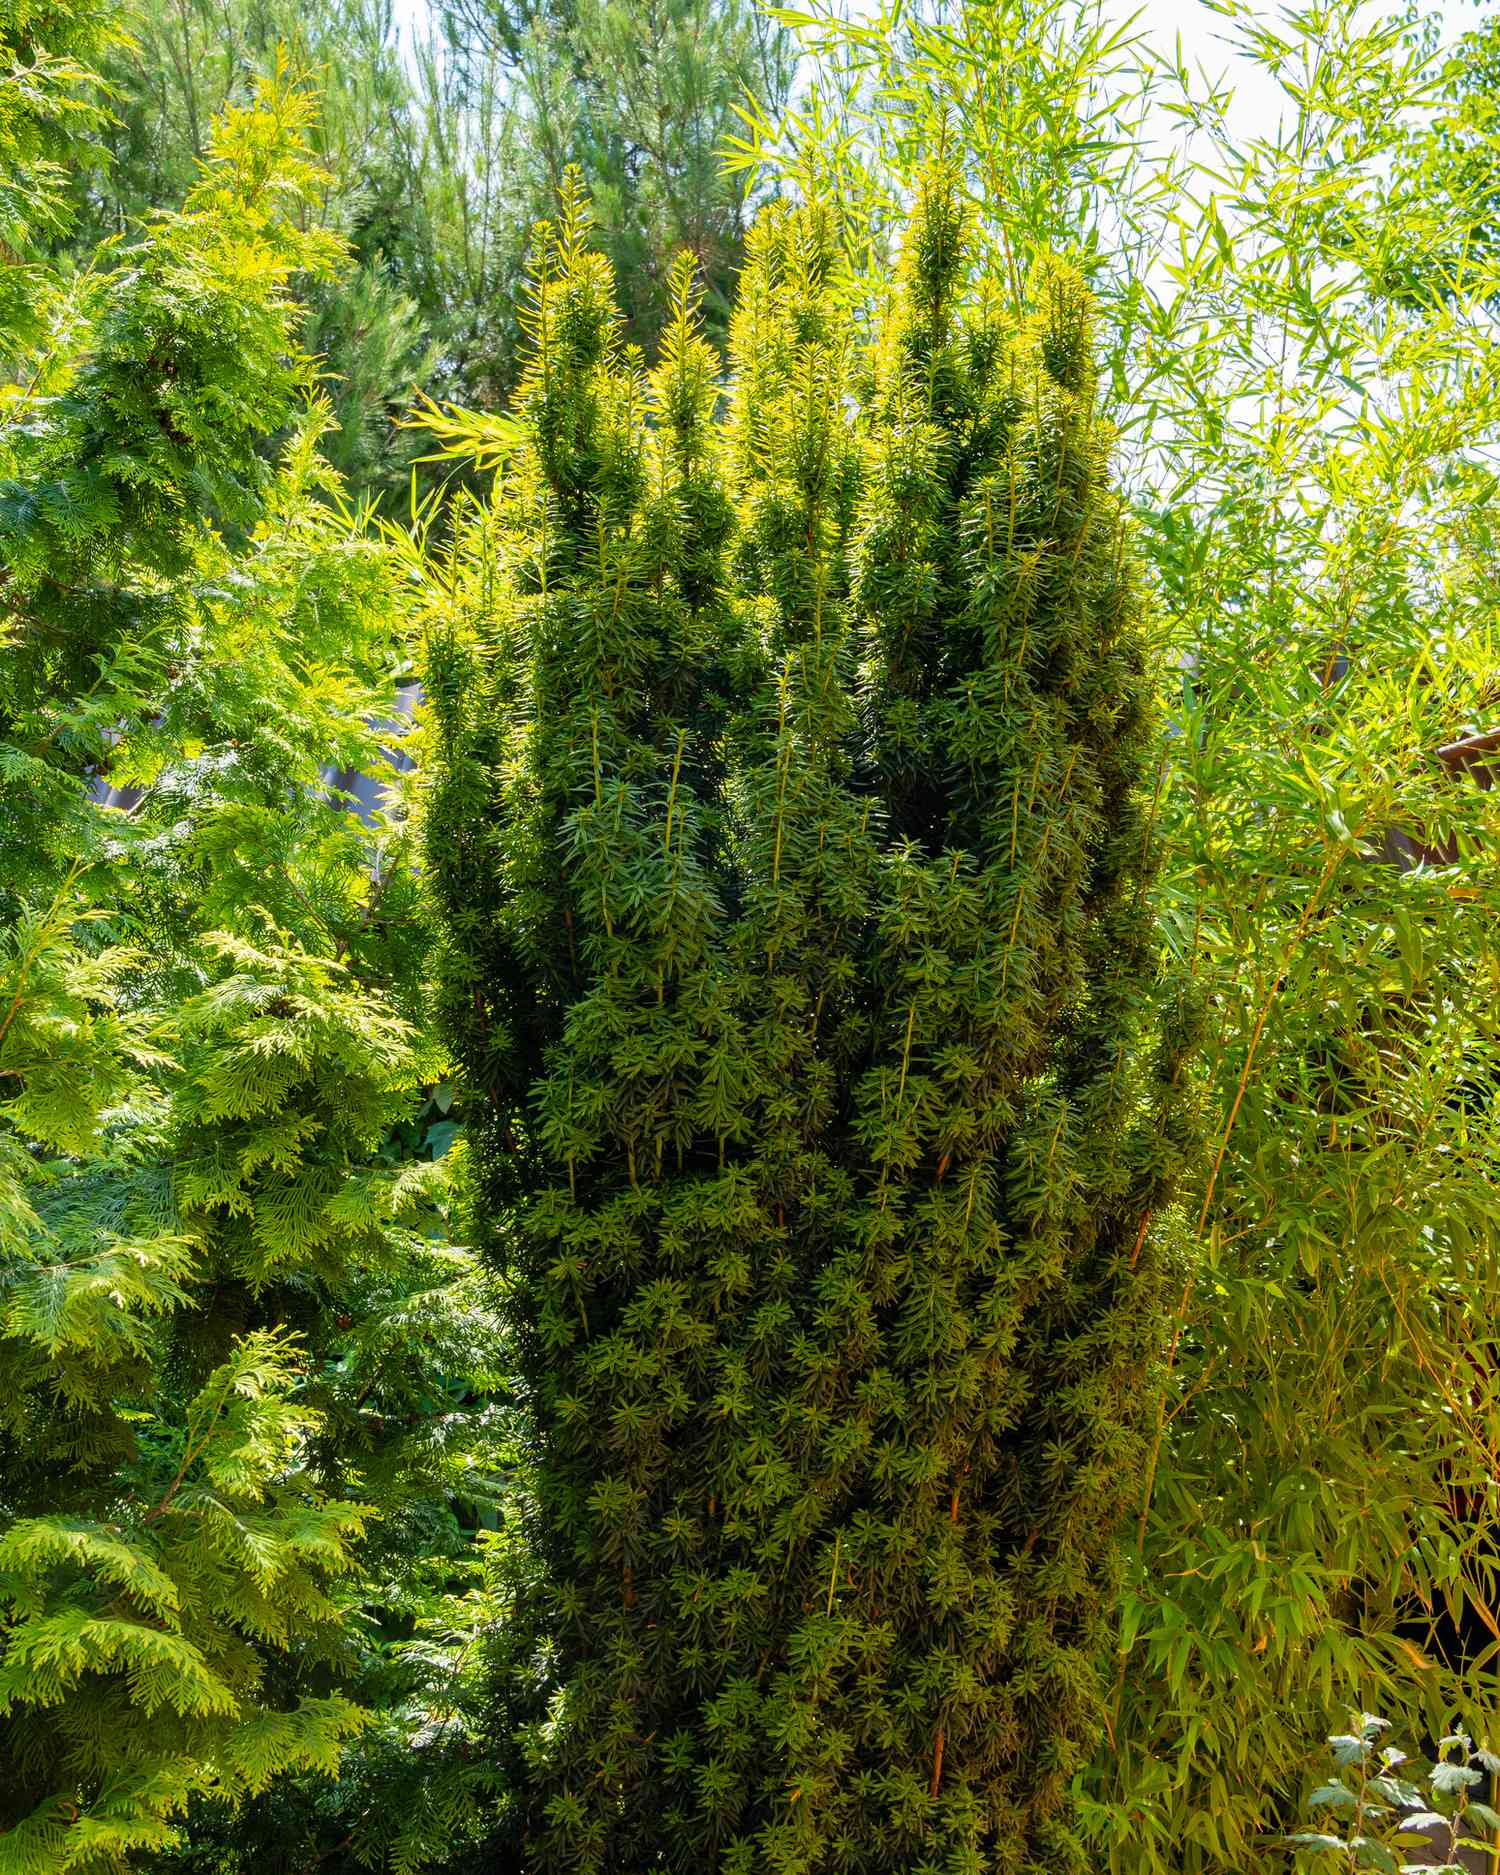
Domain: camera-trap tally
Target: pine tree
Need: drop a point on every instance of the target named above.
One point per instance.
(829, 1108)
(640, 99)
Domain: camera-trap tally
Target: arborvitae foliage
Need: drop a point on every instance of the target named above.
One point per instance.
(49, 105)
(227, 1325)
(152, 1546)
(134, 432)
(829, 1116)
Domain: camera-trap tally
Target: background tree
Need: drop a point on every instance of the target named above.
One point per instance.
(439, 153)
(641, 99)
(181, 68)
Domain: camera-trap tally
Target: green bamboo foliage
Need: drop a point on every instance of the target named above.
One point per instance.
(824, 1180)
(1308, 1536)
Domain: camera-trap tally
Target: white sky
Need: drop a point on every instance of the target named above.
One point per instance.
(1203, 32)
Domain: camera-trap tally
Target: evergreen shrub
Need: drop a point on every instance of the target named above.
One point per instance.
(231, 1339)
(791, 824)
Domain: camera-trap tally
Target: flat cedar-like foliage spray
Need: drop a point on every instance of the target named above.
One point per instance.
(226, 1328)
(790, 828)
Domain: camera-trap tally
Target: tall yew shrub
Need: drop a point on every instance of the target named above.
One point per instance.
(789, 830)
